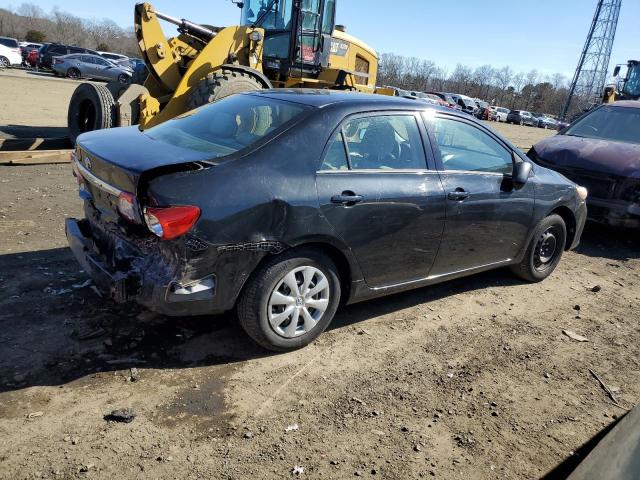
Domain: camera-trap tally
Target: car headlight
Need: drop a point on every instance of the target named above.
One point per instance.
(255, 36)
(582, 193)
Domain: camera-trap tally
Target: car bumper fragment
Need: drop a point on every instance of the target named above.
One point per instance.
(616, 213)
(159, 288)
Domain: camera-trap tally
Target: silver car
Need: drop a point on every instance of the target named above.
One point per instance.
(79, 65)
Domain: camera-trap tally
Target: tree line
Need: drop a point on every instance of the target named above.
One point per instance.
(529, 91)
(499, 86)
(31, 23)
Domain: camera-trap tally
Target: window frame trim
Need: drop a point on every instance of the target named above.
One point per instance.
(425, 140)
(438, 156)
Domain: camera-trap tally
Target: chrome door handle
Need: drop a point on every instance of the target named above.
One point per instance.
(458, 195)
(347, 198)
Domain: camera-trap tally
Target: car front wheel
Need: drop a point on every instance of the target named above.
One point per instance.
(544, 250)
(290, 301)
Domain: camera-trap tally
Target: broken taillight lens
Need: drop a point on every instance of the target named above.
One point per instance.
(171, 222)
(127, 207)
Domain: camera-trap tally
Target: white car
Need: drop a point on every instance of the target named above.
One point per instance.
(9, 56)
(114, 57)
(501, 113)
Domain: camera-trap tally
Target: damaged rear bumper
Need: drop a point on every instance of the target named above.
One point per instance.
(165, 293)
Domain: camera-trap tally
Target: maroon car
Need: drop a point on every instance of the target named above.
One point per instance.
(601, 151)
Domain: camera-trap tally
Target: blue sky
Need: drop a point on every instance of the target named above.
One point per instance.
(547, 35)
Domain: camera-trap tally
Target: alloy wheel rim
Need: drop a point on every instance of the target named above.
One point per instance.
(298, 301)
(546, 249)
(4, 62)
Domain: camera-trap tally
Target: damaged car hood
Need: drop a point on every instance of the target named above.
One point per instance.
(604, 156)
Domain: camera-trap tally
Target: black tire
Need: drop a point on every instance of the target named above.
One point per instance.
(4, 62)
(221, 84)
(253, 304)
(92, 107)
(540, 260)
(74, 73)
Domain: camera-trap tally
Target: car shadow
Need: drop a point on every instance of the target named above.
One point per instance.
(24, 131)
(54, 328)
(608, 242)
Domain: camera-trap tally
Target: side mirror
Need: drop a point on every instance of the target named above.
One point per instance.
(521, 172)
(616, 71)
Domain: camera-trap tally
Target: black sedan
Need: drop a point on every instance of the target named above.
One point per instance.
(283, 204)
(522, 117)
(601, 151)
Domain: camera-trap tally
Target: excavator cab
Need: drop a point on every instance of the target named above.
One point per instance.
(631, 86)
(297, 33)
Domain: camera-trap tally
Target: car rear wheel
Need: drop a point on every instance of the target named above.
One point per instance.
(73, 73)
(544, 250)
(4, 62)
(290, 300)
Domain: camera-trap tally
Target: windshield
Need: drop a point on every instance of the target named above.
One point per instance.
(632, 85)
(609, 123)
(276, 15)
(228, 125)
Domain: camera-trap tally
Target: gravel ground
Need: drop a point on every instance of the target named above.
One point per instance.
(469, 379)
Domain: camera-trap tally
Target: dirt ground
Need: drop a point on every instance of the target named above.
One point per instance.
(469, 379)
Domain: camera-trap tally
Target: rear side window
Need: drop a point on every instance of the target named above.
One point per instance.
(467, 148)
(57, 50)
(336, 156)
(9, 42)
(228, 125)
(77, 50)
(385, 142)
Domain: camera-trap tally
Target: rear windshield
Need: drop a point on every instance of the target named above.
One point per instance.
(607, 123)
(228, 125)
(9, 42)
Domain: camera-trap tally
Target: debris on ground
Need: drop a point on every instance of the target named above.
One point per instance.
(124, 415)
(78, 286)
(298, 470)
(575, 336)
(291, 428)
(34, 415)
(606, 389)
(596, 288)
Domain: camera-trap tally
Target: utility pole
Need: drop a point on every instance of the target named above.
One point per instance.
(590, 77)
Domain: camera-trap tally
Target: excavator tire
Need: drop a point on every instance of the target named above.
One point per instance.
(221, 84)
(92, 107)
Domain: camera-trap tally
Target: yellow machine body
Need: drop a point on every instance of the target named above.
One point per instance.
(176, 65)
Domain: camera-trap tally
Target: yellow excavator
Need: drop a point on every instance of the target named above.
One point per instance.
(628, 88)
(278, 44)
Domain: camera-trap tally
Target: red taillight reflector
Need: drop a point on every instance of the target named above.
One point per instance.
(171, 222)
(127, 207)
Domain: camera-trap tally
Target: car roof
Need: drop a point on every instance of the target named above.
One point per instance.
(322, 98)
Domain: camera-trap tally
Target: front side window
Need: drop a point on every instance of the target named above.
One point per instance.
(228, 125)
(384, 142)
(328, 17)
(275, 15)
(609, 123)
(632, 85)
(465, 147)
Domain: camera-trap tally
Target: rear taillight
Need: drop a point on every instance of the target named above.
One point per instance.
(127, 207)
(171, 222)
